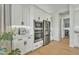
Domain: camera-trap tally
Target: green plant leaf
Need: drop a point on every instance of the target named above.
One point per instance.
(6, 36)
(15, 52)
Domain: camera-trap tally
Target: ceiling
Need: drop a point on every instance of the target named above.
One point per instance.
(51, 8)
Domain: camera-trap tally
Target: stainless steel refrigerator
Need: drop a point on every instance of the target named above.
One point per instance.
(46, 31)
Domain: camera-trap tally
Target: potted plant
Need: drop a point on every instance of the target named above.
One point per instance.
(15, 52)
(8, 36)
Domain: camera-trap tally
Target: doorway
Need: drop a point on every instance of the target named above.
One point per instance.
(64, 26)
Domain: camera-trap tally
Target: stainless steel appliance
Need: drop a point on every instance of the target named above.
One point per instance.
(42, 31)
(38, 31)
(46, 31)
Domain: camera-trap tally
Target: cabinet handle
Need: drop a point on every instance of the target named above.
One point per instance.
(29, 37)
(20, 39)
(25, 42)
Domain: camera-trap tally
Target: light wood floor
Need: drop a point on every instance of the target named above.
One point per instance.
(56, 48)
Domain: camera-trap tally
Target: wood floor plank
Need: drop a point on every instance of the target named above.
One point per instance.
(56, 48)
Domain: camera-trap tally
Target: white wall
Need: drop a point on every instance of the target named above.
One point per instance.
(71, 44)
(74, 19)
(0, 21)
(1, 18)
(5, 44)
(56, 26)
(56, 23)
(38, 12)
(52, 29)
(52, 8)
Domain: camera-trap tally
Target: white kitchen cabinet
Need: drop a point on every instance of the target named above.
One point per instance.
(16, 14)
(29, 44)
(18, 43)
(20, 13)
(26, 14)
(23, 43)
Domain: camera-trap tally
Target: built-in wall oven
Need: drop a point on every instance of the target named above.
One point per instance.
(38, 24)
(38, 31)
(42, 31)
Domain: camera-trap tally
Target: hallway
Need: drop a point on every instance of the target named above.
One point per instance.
(56, 48)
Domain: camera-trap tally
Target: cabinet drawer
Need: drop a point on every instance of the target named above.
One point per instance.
(38, 44)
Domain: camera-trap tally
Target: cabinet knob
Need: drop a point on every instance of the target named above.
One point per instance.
(25, 42)
(19, 39)
(29, 37)
(22, 23)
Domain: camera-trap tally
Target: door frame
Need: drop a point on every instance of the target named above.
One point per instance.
(62, 32)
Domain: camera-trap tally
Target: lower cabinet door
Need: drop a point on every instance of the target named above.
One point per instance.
(23, 43)
(28, 45)
(18, 43)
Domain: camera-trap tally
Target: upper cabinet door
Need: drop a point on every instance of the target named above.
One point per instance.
(16, 14)
(26, 15)
(20, 15)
